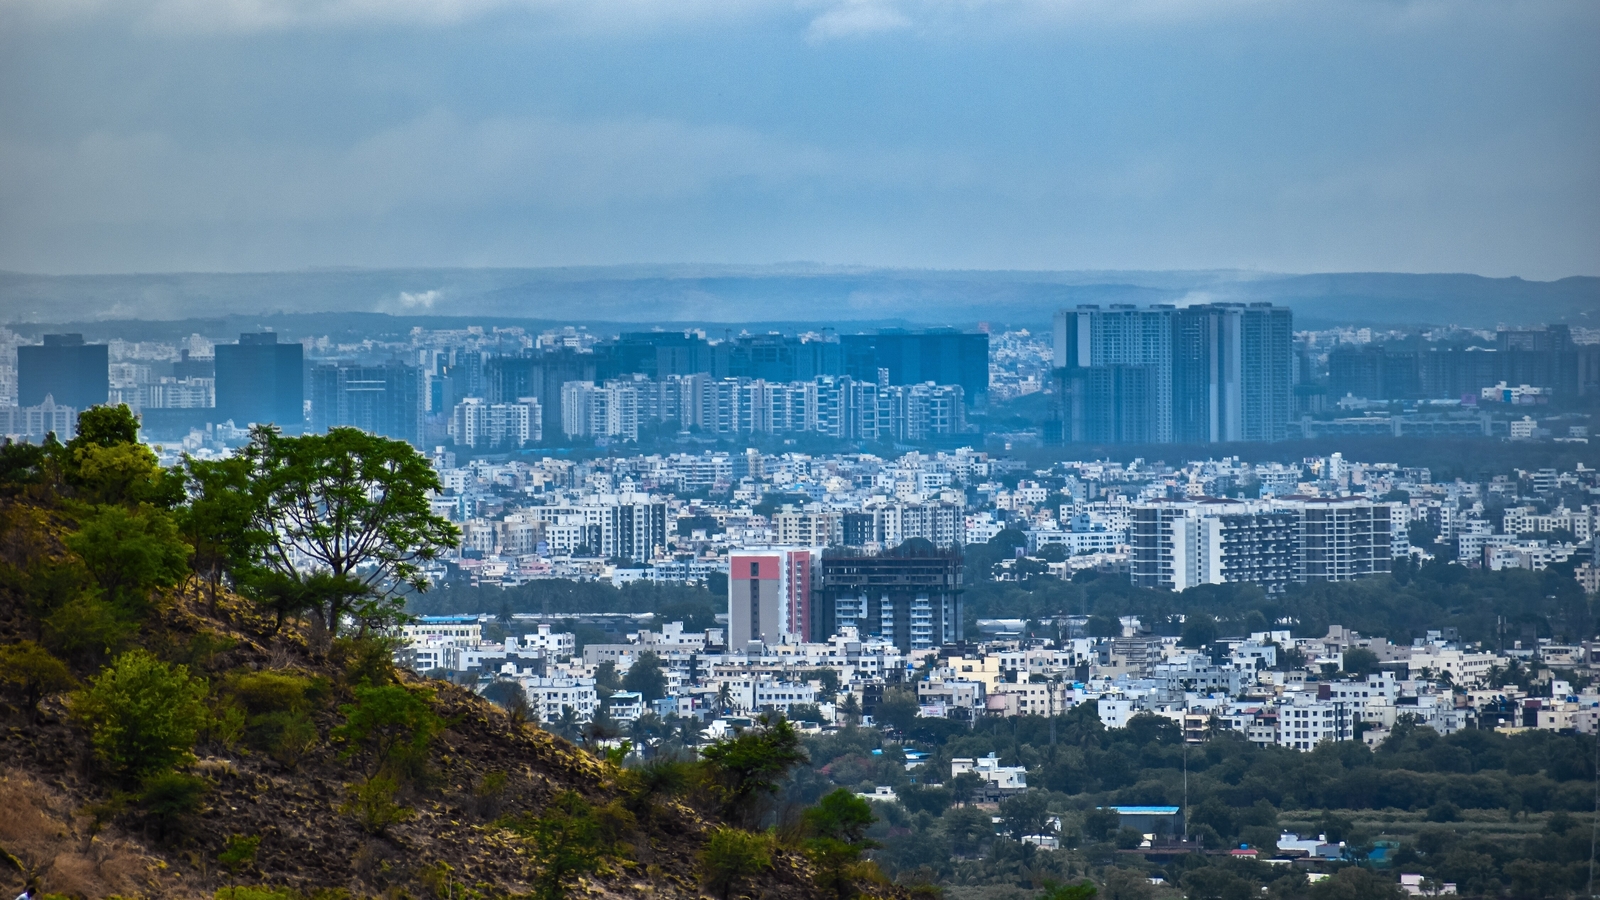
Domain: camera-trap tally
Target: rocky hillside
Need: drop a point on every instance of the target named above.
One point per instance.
(298, 783)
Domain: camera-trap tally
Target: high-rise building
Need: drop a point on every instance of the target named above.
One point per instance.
(1129, 338)
(486, 426)
(539, 375)
(386, 399)
(909, 596)
(610, 410)
(1341, 538)
(1232, 373)
(260, 381)
(31, 424)
(774, 358)
(1110, 404)
(943, 356)
(918, 412)
(769, 595)
(66, 369)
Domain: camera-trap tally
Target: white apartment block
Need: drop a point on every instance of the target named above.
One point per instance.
(549, 695)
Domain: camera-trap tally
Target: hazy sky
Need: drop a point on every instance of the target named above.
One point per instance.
(1296, 136)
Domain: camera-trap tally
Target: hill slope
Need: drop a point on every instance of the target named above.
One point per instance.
(73, 828)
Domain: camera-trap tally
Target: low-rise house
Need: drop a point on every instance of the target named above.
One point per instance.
(1004, 779)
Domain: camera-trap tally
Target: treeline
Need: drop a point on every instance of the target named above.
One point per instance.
(1406, 604)
(1525, 796)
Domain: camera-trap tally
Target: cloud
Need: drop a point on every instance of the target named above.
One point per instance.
(437, 163)
(421, 300)
(836, 19)
(856, 18)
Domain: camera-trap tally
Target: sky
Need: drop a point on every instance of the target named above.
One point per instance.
(1275, 135)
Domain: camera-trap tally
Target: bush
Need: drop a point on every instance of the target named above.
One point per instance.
(277, 715)
(142, 715)
(372, 803)
(85, 627)
(34, 672)
(168, 797)
(570, 840)
(256, 893)
(130, 554)
(392, 726)
(732, 855)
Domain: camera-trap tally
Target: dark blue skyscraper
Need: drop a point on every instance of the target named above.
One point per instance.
(385, 399)
(943, 356)
(75, 374)
(261, 381)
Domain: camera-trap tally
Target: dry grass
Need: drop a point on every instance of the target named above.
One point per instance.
(52, 842)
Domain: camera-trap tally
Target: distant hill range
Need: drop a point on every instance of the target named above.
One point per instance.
(794, 293)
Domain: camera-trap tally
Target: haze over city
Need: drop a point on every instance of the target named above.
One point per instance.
(857, 449)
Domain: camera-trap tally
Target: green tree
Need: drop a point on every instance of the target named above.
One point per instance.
(1083, 890)
(220, 521)
(1360, 662)
(142, 714)
(1104, 626)
(392, 726)
(747, 768)
(105, 463)
(1101, 823)
(898, 709)
(1199, 630)
(131, 553)
(645, 677)
(965, 786)
(34, 672)
(842, 816)
(21, 465)
(838, 826)
(1025, 813)
(732, 855)
(355, 506)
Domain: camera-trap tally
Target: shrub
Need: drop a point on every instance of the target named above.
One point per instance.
(85, 627)
(392, 726)
(567, 842)
(1081, 891)
(732, 855)
(239, 853)
(256, 893)
(277, 715)
(366, 660)
(33, 671)
(372, 803)
(142, 715)
(168, 797)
